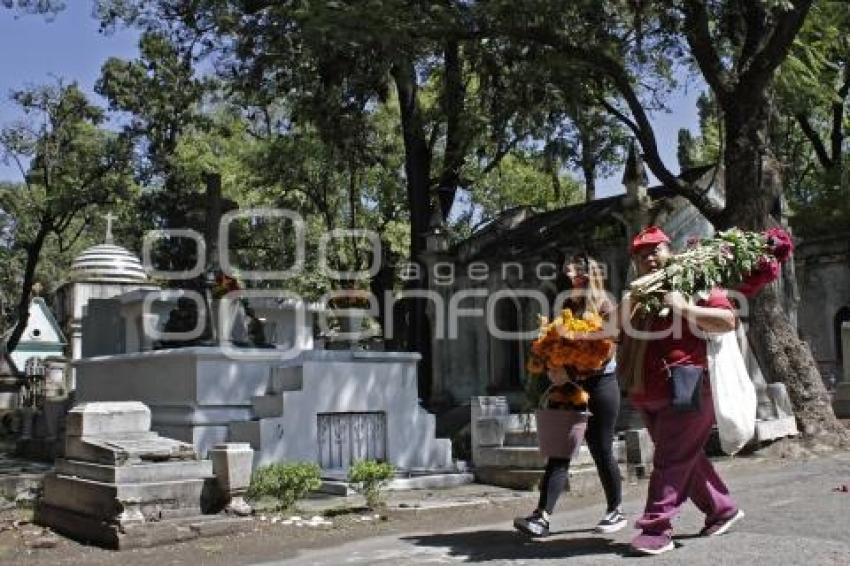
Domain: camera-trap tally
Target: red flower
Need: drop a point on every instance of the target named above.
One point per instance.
(765, 273)
(779, 243)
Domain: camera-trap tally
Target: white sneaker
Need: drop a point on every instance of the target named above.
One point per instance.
(611, 523)
(534, 525)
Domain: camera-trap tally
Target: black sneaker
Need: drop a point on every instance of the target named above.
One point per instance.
(611, 523)
(534, 525)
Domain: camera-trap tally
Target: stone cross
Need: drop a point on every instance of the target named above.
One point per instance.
(213, 218)
(109, 239)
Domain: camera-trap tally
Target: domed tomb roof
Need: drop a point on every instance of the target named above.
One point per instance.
(108, 263)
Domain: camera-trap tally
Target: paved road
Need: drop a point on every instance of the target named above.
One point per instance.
(793, 517)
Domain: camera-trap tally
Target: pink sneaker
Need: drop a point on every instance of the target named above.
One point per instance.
(651, 544)
(723, 525)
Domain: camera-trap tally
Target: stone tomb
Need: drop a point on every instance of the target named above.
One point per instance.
(122, 486)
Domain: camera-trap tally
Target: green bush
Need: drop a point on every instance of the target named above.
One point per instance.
(369, 477)
(285, 482)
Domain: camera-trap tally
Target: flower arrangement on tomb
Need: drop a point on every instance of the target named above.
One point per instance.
(733, 259)
(352, 299)
(224, 284)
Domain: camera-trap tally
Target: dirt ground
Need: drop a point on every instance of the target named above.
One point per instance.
(406, 512)
(266, 541)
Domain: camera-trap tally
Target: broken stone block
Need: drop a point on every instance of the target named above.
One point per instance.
(776, 428)
(232, 464)
(121, 485)
(106, 419)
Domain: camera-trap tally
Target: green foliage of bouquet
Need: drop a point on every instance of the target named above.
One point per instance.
(733, 259)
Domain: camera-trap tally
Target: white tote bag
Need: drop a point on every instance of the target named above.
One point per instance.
(733, 392)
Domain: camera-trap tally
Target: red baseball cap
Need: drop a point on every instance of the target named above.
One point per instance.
(649, 236)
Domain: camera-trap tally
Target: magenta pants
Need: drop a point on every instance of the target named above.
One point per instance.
(680, 468)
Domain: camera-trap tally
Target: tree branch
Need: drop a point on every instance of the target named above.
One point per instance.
(501, 154)
(837, 134)
(702, 48)
(814, 138)
(598, 62)
(769, 57)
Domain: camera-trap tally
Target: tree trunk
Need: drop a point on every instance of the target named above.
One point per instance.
(456, 138)
(33, 255)
(785, 358)
(588, 166)
(753, 187)
(551, 164)
(417, 159)
(417, 167)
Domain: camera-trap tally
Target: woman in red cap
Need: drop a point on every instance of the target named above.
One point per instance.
(656, 352)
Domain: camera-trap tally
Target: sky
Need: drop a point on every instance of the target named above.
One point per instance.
(36, 51)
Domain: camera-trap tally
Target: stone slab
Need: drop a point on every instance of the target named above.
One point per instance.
(775, 428)
(117, 417)
(129, 447)
(202, 437)
(105, 501)
(138, 473)
(427, 481)
(88, 530)
(431, 481)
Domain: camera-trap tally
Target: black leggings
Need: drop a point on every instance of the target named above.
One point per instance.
(604, 404)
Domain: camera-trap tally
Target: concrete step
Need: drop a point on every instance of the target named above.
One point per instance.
(267, 406)
(518, 457)
(529, 457)
(583, 480)
(137, 473)
(424, 481)
(506, 477)
(336, 487)
(520, 438)
(289, 378)
(258, 433)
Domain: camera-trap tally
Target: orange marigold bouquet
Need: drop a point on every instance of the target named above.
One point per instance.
(570, 341)
(579, 345)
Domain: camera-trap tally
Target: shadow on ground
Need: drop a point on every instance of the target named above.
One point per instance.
(483, 546)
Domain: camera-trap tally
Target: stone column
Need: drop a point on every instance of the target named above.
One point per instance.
(841, 400)
(232, 464)
(488, 422)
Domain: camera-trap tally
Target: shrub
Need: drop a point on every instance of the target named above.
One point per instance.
(369, 477)
(285, 482)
